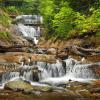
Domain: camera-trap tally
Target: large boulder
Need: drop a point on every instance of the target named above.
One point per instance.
(18, 85)
(26, 87)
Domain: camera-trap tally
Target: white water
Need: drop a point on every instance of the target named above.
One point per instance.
(74, 71)
(33, 31)
(58, 72)
(54, 73)
(30, 19)
(29, 31)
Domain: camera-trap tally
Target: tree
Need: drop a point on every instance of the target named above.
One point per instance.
(47, 11)
(64, 22)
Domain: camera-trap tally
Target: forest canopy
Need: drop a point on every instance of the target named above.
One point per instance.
(62, 18)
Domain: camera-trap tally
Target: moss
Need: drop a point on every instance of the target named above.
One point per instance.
(5, 20)
(98, 34)
(19, 84)
(5, 35)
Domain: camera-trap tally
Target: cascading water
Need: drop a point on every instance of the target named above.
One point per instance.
(61, 71)
(27, 26)
(52, 70)
(69, 69)
(29, 19)
(29, 32)
(8, 76)
(79, 70)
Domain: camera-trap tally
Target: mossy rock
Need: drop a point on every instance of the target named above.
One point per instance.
(20, 85)
(43, 88)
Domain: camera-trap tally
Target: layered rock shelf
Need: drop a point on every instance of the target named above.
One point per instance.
(16, 56)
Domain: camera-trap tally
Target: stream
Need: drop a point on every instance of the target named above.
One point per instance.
(55, 73)
(43, 73)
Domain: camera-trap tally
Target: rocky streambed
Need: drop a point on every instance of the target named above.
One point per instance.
(22, 90)
(46, 71)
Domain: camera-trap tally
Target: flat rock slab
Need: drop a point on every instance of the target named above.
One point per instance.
(16, 57)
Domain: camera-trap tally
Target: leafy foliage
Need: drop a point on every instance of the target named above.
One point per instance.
(47, 10)
(62, 18)
(63, 21)
(12, 10)
(5, 20)
(5, 35)
(71, 18)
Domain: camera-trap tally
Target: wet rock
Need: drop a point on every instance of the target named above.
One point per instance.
(26, 87)
(36, 93)
(96, 69)
(43, 88)
(95, 90)
(71, 93)
(76, 83)
(94, 86)
(78, 88)
(83, 92)
(61, 85)
(35, 75)
(18, 85)
(37, 90)
(52, 51)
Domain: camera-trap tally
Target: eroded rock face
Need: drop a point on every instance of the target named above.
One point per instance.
(15, 57)
(12, 42)
(96, 69)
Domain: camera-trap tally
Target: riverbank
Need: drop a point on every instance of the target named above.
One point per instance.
(84, 91)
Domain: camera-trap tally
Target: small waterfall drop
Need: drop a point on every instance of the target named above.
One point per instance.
(77, 69)
(61, 71)
(28, 32)
(53, 70)
(29, 19)
(29, 26)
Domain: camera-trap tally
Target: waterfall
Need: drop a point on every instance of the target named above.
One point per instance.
(28, 32)
(52, 70)
(29, 19)
(28, 26)
(60, 71)
(73, 70)
(78, 70)
(69, 68)
(8, 76)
